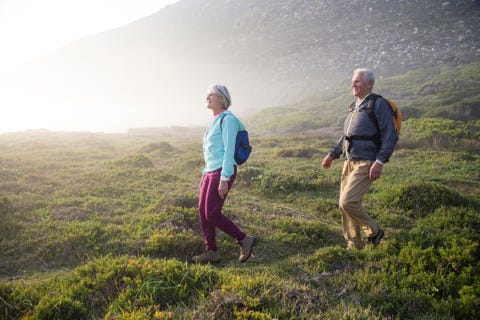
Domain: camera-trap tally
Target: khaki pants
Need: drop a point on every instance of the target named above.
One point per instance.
(354, 184)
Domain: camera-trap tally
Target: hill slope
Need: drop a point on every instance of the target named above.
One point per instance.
(427, 92)
(268, 52)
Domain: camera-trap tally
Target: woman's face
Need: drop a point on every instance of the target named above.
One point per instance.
(213, 102)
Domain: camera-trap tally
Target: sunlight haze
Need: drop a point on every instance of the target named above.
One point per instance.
(30, 29)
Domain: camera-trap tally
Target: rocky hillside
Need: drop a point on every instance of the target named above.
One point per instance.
(315, 38)
(269, 52)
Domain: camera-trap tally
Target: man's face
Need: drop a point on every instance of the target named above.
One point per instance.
(360, 87)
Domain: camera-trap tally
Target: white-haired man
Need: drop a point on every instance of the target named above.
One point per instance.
(367, 143)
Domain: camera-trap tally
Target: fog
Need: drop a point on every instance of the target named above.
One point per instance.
(111, 98)
(64, 93)
(86, 104)
(154, 72)
(88, 86)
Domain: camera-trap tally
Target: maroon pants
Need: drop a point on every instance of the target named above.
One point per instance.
(210, 210)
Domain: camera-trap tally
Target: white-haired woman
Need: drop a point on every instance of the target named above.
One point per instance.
(219, 174)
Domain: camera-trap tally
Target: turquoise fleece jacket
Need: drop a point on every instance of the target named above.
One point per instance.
(219, 144)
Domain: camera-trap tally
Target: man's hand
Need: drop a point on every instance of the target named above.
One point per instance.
(223, 189)
(327, 161)
(375, 171)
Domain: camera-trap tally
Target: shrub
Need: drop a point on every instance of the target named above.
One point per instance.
(287, 182)
(437, 133)
(420, 278)
(60, 308)
(260, 296)
(299, 152)
(158, 146)
(433, 267)
(421, 198)
(469, 304)
(448, 222)
(7, 224)
(248, 175)
(6, 207)
(127, 284)
(330, 259)
(183, 200)
(137, 161)
(291, 231)
(173, 242)
(15, 301)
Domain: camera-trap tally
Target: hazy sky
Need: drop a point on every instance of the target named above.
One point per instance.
(29, 28)
(32, 28)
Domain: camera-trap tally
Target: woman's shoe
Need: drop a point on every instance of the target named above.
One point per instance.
(208, 256)
(246, 247)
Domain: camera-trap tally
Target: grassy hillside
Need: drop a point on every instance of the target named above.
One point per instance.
(436, 92)
(103, 226)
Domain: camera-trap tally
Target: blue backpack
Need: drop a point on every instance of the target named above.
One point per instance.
(242, 145)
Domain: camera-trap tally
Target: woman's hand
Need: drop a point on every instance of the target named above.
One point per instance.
(223, 189)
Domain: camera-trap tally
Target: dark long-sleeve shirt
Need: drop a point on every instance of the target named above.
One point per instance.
(359, 123)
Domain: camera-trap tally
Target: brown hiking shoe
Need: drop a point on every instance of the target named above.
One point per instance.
(246, 247)
(208, 256)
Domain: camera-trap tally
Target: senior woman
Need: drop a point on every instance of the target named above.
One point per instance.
(218, 176)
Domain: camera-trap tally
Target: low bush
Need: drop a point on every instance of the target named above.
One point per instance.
(136, 161)
(419, 199)
(183, 200)
(299, 233)
(173, 243)
(333, 258)
(161, 147)
(299, 152)
(272, 182)
(113, 287)
(59, 308)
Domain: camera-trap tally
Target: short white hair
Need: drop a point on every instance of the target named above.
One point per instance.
(222, 92)
(367, 74)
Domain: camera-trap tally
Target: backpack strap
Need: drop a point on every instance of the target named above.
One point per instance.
(371, 102)
(221, 122)
(352, 106)
(372, 98)
(369, 108)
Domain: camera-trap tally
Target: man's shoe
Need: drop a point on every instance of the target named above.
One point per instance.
(208, 256)
(375, 240)
(246, 247)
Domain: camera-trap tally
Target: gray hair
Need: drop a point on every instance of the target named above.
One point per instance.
(222, 92)
(368, 74)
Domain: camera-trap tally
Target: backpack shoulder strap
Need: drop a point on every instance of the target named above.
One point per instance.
(221, 122)
(371, 102)
(351, 107)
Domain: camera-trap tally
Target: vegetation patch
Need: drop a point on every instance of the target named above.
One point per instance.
(303, 152)
(136, 161)
(161, 147)
(419, 199)
(112, 288)
(300, 233)
(330, 259)
(106, 230)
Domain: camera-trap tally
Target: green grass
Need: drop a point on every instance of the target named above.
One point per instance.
(103, 227)
(427, 92)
